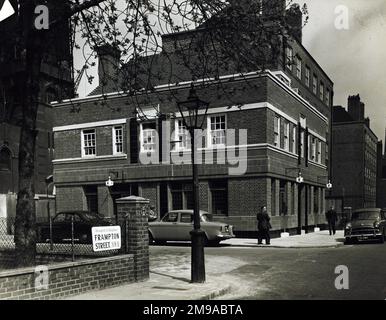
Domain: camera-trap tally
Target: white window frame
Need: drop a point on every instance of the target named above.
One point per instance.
(299, 65)
(302, 135)
(294, 134)
(313, 148)
(319, 151)
(183, 136)
(276, 134)
(303, 121)
(116, 142)
(142, 142)
(286, 135)
(210, 131)
(83, 141)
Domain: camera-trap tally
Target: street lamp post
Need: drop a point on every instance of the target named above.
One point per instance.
(190, 111)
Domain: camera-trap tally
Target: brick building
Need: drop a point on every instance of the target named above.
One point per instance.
(56, 75)
(381, 175)
(286, 111)
(354, 162)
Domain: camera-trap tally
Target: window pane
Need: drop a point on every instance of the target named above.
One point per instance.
(89, 142)
(218, 130)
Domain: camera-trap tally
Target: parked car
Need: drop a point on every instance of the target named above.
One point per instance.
(61, 227)
(366, 224)
(176, 226)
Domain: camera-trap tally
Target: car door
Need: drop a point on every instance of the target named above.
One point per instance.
(166, 228)
(185, 225)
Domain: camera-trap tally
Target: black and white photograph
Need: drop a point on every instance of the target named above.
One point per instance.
(202, 152)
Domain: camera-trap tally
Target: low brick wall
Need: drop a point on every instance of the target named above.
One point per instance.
(69, 278)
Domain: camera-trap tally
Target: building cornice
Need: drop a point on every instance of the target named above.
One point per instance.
(187, 84)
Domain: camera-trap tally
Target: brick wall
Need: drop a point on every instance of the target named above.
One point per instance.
(68, 279)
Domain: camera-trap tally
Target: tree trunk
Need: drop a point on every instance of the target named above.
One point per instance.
(25, 223)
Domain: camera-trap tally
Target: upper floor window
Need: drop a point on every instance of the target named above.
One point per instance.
(148, 137)
(302, 135)
(118, 140)
(5, 159)
(303, 121)
(328, 97)
(289, 57)
(294, 131)
(286, 135)
(217, 133)
(321, 91)
(182, 135)
(307, 76)
(319, 157)
(276, 131)
(314, 84)
(298, 67)
(313, 148)
(88, 143)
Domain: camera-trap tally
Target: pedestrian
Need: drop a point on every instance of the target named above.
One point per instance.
(332, 218)
(263, 226)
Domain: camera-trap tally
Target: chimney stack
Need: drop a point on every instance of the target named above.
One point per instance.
(109, 64)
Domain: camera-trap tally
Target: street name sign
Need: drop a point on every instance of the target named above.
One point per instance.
(106, 238)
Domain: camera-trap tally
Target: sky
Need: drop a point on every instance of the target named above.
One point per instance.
(353, 57)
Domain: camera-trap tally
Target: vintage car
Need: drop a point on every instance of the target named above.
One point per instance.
(176, 226)
(62, 225)
(366, 224)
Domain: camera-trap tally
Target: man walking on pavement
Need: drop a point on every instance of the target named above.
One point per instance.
(263, 226)
(331, 219)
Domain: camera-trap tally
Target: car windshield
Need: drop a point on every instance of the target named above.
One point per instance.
(206, 217)
(365, 215)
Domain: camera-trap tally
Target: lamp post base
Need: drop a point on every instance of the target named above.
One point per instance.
(198, 259)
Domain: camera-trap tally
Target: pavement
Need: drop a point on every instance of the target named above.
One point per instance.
(170, 273)
(320, 239)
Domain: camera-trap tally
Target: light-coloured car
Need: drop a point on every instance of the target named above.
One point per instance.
(177, 224)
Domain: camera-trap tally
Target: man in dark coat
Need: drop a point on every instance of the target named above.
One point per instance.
(263, 226)
(332, 218)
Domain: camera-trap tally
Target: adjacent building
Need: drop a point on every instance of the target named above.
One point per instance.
(381, 175)
(354, 150)
(286, 111)
(57, 83)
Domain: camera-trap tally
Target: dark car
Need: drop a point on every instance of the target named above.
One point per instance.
(366, 224)
(62, 227)
(176, 226)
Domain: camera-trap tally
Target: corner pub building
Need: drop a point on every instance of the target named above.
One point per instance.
(286, 111)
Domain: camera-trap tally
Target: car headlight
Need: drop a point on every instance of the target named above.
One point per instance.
(376, 224)
(348, 226)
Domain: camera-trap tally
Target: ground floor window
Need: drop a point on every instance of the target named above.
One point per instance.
(283, 206)
(219, 193)
(91, 193)
(182, 195)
